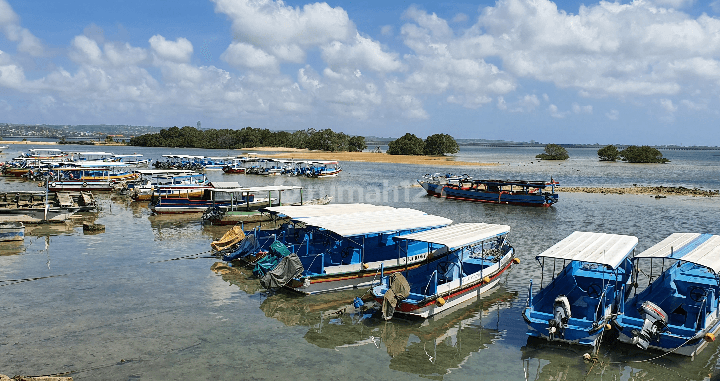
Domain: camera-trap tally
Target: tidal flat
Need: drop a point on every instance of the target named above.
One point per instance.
(141, 300)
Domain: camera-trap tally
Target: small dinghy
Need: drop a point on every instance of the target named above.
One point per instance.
(678, 311)
(581, 299)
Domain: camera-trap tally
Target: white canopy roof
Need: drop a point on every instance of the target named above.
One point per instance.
(701, 249)
(380, 221)
(459, 235)
(305, 211)
(601, 248)
(270, 188)
(225, 184)
(164, 171)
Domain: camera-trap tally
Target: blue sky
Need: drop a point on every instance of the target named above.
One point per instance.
(640, 72)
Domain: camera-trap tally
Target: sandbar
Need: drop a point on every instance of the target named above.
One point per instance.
(372, 157)
(659, 191)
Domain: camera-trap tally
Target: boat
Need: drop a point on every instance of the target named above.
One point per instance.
(32, 207)
(335, 247)
(86, 176)
(167, 183)
(32, 160)
(511, 192)
(3, 148)
(578, 303)
(678, 311)
(467, 261)
(210, 197)
(12, 231)
(238, 210)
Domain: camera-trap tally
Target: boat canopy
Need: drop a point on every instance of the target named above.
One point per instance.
(701, 249)
(270, 188)
(600, 248)
(165, 172)
(305, 211)
(458, 235)
(225, 184)
(375, 222)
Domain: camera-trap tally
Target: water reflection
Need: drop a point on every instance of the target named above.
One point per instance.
(430, 348)
(543, 360)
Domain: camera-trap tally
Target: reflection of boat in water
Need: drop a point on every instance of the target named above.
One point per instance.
(12, 231)
(429, 348)
(238, 276)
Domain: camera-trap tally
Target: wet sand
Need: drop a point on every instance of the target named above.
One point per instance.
(660, 191)
(294, 153)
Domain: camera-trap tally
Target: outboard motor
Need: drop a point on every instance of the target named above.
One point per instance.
(561, 313)
(655, 322)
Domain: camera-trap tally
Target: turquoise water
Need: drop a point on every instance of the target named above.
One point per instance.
(139, 302)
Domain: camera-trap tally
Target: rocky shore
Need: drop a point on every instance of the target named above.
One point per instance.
(659, 191)
(34, 378)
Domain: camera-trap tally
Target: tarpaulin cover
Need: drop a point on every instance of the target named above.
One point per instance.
(399, 290)
(230, 238)
(288, 269)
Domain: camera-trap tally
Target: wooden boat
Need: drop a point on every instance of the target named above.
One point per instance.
(42, 206)
(512, 192)
(678, 311)
(217, 194)
(576, 306)
(339, 246)
(12, 231)
(91, 178)
(167, 183)
(474, 256)
(238, 210)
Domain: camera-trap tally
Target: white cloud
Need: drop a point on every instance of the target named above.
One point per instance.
(10, 24)
(613, 114)
(715, 6)
(386, 30)
(667, 105)
(557, 114)
(693, 105)
(179, 50)
(284, 31)
(676, 4)
(361, 52)
(248, 56)
(577, 109)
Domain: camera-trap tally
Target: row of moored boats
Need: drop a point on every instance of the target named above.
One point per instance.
(413, 263)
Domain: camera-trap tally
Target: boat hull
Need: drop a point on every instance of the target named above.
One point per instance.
(666, 343)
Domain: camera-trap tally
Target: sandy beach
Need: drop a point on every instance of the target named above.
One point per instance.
(294, 153)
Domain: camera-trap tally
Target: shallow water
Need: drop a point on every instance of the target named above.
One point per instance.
(139, 302)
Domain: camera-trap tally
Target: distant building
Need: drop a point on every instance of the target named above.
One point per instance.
(198, 124)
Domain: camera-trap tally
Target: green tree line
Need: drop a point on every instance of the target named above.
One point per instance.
(249, 137)
(632, 154)
(434, 145)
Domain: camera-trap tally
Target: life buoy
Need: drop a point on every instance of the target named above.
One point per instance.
(84, 184)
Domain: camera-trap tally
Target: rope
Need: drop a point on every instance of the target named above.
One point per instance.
(184, 257)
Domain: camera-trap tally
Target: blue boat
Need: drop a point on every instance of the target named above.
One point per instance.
(340, 246)
(477, 255)
(678, 311)
(511, 192)
(577, 304)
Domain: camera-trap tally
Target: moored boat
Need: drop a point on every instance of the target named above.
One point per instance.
(12, 231)
(512, 192)
(678, 311)
(474, 256)
(339, 246)
(576, 306)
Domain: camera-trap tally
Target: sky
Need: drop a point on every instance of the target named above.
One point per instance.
(629, 72)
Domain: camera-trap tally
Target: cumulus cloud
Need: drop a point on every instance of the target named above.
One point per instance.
(360, 52)
(555, 113)
(284, 31)
(577, 109)
(248, 56)
(10, 24)
(179, 50)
